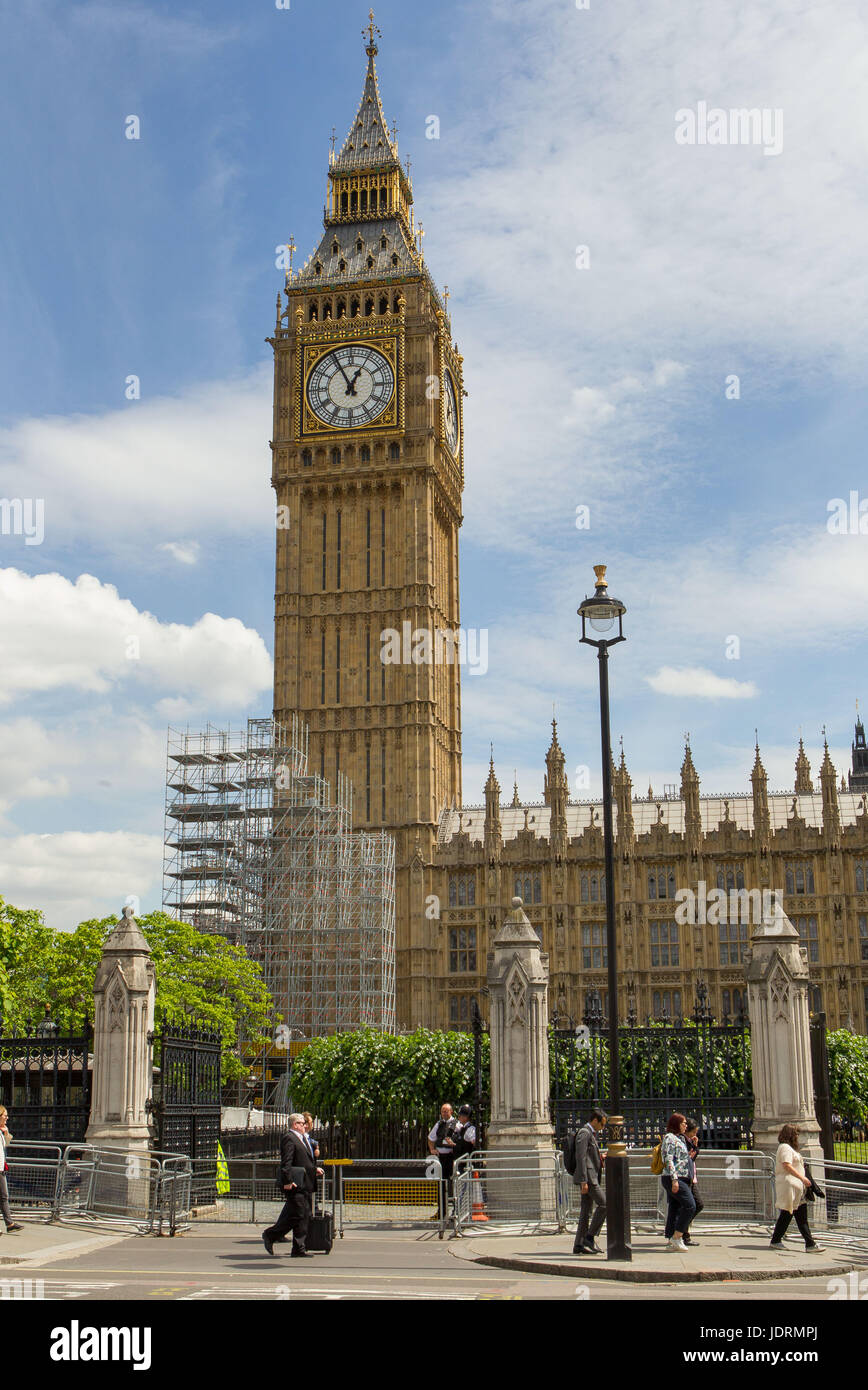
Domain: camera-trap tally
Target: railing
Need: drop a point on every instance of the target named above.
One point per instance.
(510, 1189)
(122, 1188)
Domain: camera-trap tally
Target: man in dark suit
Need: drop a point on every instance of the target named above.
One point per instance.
(295, 1153)
(589, 1168)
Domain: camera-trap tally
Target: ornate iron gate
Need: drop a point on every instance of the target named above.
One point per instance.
(45, 1081)
(694, 1066)
(187, 1097)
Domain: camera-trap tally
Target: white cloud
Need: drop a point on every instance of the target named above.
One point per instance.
(185, 552)
(72, 876)
(197, 464)
(56, 634)
(696, 683)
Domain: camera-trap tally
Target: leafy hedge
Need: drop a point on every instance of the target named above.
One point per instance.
(369, 1073)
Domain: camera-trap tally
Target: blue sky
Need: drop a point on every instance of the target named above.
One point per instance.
(602, 386)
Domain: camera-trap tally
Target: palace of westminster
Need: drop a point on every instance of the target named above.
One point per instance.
(368, 468)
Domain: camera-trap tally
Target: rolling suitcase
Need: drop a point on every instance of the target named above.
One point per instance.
(321, 1233)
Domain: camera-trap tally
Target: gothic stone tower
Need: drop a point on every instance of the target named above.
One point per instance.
(368, 470)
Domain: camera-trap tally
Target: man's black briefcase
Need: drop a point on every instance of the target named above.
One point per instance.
(321, 1233)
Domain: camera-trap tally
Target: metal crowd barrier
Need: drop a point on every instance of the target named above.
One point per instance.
(737, 1187)
(365, 1192)
(78, 1183)
(510, 1189)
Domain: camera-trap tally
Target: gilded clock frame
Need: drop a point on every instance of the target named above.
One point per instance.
(315, 340)
(447, 360)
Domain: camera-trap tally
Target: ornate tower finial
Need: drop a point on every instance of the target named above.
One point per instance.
(368, 33)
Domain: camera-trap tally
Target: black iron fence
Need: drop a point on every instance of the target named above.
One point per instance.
(45, 1081)
(694, 1066)
(186, 1098)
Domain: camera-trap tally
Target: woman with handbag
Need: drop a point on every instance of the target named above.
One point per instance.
(5, 1139)
(791, 1188)
(676, 1179)
(691, 1139)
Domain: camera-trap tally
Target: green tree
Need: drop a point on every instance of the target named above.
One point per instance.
(199, 975)
(848, 1073)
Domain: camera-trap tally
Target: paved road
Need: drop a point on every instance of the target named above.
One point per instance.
(229, 1263)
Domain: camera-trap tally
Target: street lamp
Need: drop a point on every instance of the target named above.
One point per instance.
(600, 614)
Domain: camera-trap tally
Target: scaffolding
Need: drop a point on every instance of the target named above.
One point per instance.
(259, 851)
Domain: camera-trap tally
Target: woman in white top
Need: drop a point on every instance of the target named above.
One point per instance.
(5, 1139)
(791, 1185)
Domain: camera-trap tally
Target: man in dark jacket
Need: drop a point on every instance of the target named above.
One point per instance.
(296, 1153)
(589, 1168)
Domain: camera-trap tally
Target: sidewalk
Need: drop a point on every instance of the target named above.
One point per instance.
(731, 1258)
(40, 1244)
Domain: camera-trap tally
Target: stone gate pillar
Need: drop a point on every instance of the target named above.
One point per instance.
(122, 1053)
(780, 1036)
(518, 981)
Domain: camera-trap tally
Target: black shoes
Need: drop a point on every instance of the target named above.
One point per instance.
(16, 1226)
(268, 1243)
(298, 1253)
(587, 1248)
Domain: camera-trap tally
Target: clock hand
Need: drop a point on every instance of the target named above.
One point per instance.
(346, 379)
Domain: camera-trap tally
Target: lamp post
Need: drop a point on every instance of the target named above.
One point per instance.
(600, 614)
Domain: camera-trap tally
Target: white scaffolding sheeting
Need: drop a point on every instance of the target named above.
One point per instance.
(257, 850)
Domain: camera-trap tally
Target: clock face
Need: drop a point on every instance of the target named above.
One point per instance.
(350, 386)
(450, 414)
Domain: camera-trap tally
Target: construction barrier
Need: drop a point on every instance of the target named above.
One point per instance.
(510, 1190)
(81, 1184)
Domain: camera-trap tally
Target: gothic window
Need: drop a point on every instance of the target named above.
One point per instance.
(815, 999)
(342, 308)
(383, 781)
(861, 873)
(799, 879)
(365, 456)
(734, 1003)
(368, 673)
(383, 243)
(369, 307)
(863, 936)
(312, 314)
(593, 888)
(354, 201)
(338, 520)
(808, 932)
(360, 245)
(364, 201)
(336, 458)
(327, 309)
(384, 200)
(318, 268)
(335, 247)
(338, 674)
(661, 882)
(383, 546)
(462, 890)
(594, 955)
(666, 1003)
(731, 942)
(344, 204)
(730, 876)
(306, 458)
(528, 888)
(355, 306)
(395, 263)
(368, 779)
(324, 536)
(322, 665)
(396, 307)
(664, 943)
(459, 1011)
(370, 263)
(462, 951)
(384, 304)
(394, 451)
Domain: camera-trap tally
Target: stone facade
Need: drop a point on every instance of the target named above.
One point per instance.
(369, 506)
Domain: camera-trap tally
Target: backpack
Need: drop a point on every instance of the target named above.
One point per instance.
(569, 1151)
(657, 1157)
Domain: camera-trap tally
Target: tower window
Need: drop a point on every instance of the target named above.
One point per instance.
(807, 929)
(369, 307)
(306, 458)
(327, 309)
(394, 258)
(462, 951)
(312, 313)
(364, 202)
(367, 782)
(339, 554)
(342, 303)
(370, 263)
(355, 306)
(384, 304)
(384, 200)
(383, 777)
(354, 201)
(322, 668)
(799, 878)
(360, 246)
(664, 943)
(383, 243)
(383, 547)
(318, 268)
(342, 267)
(861, 873)
(336, 459)
(338, 674)
(335, 247)
(365, 456)
(394, 451)
(324, 550)
(344, 205)
(368, 674)
(367, 546)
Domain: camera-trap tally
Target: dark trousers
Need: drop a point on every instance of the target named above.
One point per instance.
(588, 1225)
(4, 1200)
(784, 1219)
(682, 1207)
(295, 1217)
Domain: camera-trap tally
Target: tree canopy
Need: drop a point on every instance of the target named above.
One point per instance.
(199, 975)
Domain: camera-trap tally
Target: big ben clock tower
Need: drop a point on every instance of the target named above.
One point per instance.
(367, 455)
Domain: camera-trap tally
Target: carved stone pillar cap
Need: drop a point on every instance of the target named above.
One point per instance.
(516, 929)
